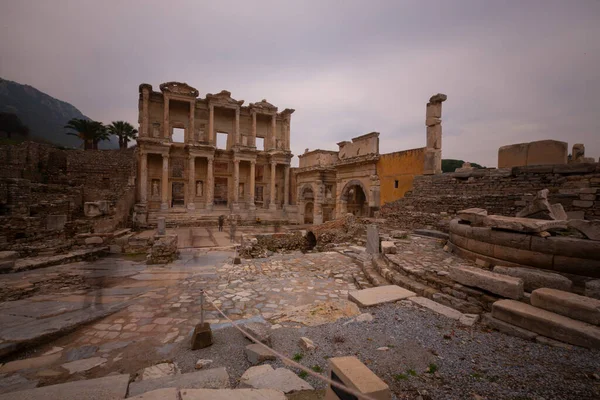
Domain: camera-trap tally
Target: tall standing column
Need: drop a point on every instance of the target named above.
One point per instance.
(145, 101)
(236, 184)
(286, 186)
(192, 183)
(253, 129)
(273, 144)
(164, 198)
(272, 205)
(143, 177)
(210, 186)
(191, 128)
(251, 204)
(287, 133)
(237, 140)
(211, 124)
(166, 127)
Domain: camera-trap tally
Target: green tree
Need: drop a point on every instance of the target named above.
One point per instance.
(124, 131)
(11, 123)
(450, 165)
(91, 132)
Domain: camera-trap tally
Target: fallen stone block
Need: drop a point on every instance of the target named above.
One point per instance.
(201, 363)
(159, 394)
(535, 278)
(592, 289)
(547, 323)
(432, 233)
(215, 378)
(469, 319)
(109, 387)
(507, 328)
(399, 234)
(27, 363)
(260, 330)
(506, 286)
(94, 240)
(364, 317)
(473, 215)
(265, 377)
(568, 304)
(232, 394)
(483, 263)
(437, 307)
(379, 295)
(7, 260)
(355, 375)
(257, 354)
(388, 247)
(591, 229)
(159, 371)
(83, 365)
(306, 344)
(527, 225)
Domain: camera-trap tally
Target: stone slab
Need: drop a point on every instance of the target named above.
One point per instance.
(372, 239)
(379, 295)
(591, 229)
(547, 323)
(507, 328)
(265, 377)
(506, 286)
(536, 279)
(437, 307)
(356, 375)
(232, 394)
(523, 224)
(432, 233)
(83, 365)
(473, 215)
(592, 288)
(215, 378)
(27, 363)
(388, 247)
(257, 354)
(568, 304)
(159, 371)
(260, 330)
(108, 388)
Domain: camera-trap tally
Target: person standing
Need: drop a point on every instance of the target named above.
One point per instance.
(221, 221)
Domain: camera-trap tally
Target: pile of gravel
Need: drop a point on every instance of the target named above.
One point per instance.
(427, 356)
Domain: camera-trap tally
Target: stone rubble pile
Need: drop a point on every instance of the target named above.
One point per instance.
(164, 250)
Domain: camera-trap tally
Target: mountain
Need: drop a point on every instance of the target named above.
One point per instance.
(43, 114)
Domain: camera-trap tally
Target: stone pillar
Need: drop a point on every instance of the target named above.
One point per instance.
(211, 124)
(251, 204)
(143, 178)
(210, 186)
(433, 151)
(272, 205)
(191, 129)
(192, 183)
(145, 105)
(286, 185)
(236, 184)
(253, 129)
(273, 144)
(166, 123)
(236, 130)
(164, 198)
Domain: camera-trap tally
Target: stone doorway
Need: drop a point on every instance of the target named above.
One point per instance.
(309, 209)
(221, 191)
(178, 194)
(356, 201)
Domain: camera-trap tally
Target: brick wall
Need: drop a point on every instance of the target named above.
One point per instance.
(436, 198)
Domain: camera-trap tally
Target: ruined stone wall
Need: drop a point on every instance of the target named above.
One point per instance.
(436, 198)
(542, 152)
(396, 172)
(360, 146)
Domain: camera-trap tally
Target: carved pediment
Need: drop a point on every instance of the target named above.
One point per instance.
(263, 106)
(223, 98)
(179, 88)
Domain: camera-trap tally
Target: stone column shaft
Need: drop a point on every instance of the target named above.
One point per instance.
(211, 124)
(236, 132)
(272, 205)
(165, 183)
(191, 128)
(192, 183)
(145, 101)
(236, 181)
(253, 130)
(166, 127)
(252, 184)
(210, 186)
(143, 177)
(273, 144)
(286, 185)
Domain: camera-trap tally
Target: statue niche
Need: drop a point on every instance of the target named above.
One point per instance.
(199, 188)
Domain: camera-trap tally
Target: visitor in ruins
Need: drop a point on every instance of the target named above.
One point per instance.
(221, 221)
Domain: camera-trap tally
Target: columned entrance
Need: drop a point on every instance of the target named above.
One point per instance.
(177, 194)
(220, 193)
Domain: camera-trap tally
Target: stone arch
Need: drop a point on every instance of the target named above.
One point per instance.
(361, 207)
(303, 189)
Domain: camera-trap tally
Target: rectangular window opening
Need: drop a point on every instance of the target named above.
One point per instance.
(178, 135)
(395, 184)
(260, 144)
(221, 140)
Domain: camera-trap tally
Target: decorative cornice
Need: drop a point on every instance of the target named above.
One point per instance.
(223, 98)
(179, 88)
(263, 107)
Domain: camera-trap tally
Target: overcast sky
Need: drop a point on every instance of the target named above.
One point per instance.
(514, 71)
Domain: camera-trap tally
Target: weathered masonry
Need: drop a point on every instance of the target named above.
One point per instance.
(202, 157)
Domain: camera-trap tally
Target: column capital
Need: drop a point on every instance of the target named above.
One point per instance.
(273, 162)
(236, 161)
(210, 159)
(253, 162)
(165, 155)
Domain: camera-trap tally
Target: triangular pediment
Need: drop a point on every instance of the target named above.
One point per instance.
(263, 106)
(179, 88)
(223, 98)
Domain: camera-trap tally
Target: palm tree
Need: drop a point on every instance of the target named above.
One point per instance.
(124, 131)
(91, 132)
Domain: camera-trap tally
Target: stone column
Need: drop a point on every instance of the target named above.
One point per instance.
(251, 204)
(433, 151)
(286, 186)
(253, 129)
(273, 144)
(211, 124)
(143, 178)
(166, 127)
(236, 184)
(191, 128)
(236, 131)
(272, 205)
(165, 183)
(192, 183)
(145, 104)
(210, 186)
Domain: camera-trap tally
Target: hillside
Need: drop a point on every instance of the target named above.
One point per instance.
(43, 114)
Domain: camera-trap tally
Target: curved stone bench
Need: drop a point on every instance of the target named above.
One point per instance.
(555, 253)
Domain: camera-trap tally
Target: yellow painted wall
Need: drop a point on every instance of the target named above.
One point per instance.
(401, 166)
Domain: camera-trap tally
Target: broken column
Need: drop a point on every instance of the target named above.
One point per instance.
(578, 154)
(433, 151)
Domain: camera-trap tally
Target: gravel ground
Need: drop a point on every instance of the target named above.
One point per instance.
(470, 363)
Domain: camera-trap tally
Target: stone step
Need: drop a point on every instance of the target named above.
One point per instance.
(448, 312)
(568, 304)
(379, 295)
(360, 280)
(507, 328)
(25, 264)
(503, 285)
(109, 387)
(546, 323)
(395, 277)
(373, 276)
(214, 378)
(536, 278)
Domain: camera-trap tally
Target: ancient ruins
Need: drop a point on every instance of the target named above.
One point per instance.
(356, 273)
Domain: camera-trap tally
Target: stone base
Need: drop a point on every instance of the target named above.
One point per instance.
(209, 207)
(202, 336)
(235, 207)
(164, 206)
(272, 207)
(191, 206)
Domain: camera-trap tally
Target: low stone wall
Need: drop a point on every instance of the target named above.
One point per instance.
(567, 255)
(260, 246)
(435, 199)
